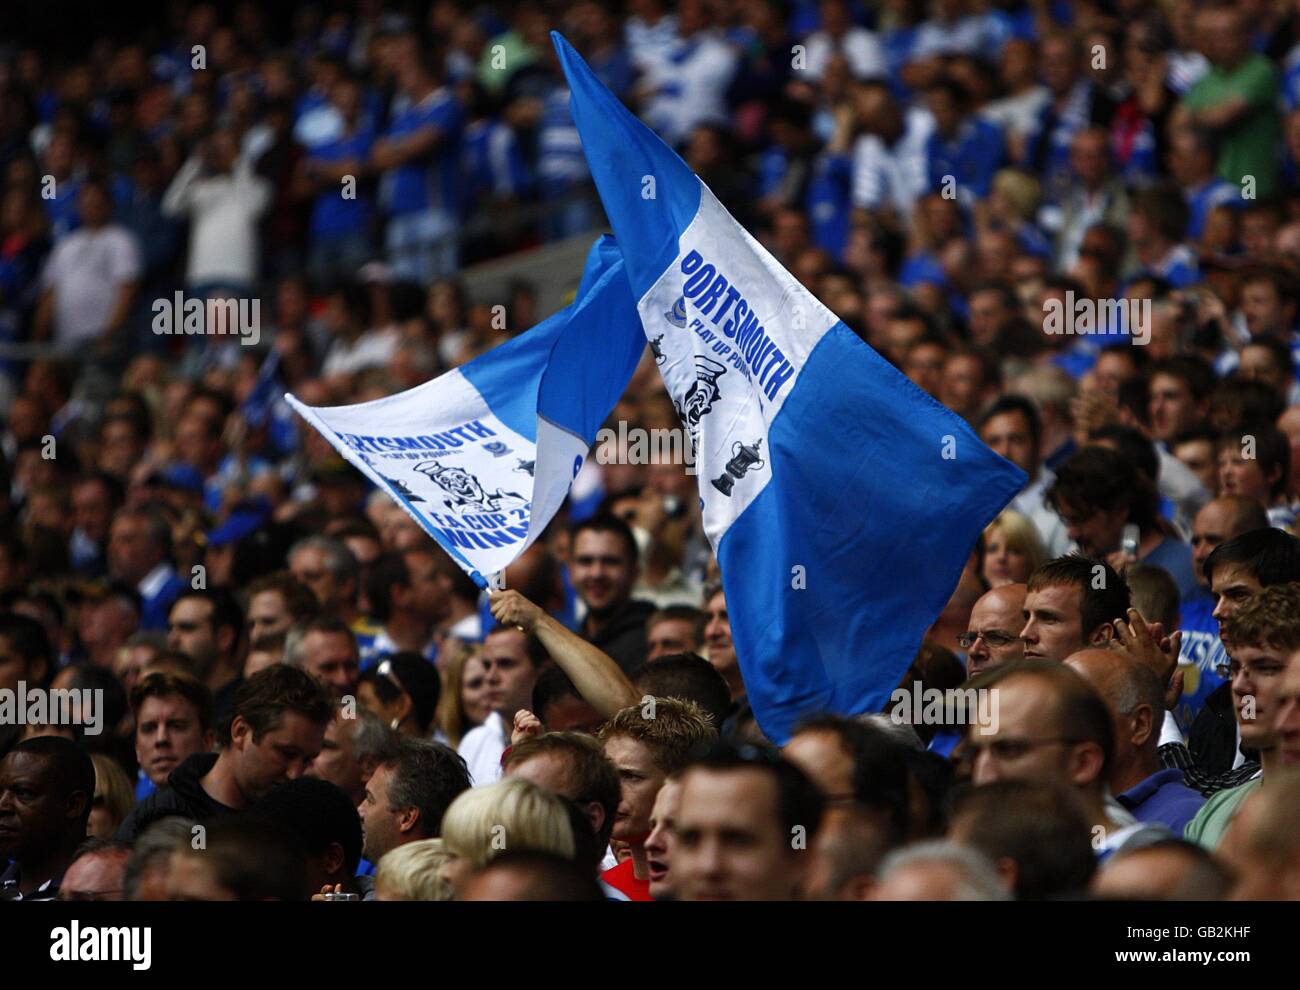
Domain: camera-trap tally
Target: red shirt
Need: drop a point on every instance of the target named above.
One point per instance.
(622, 878)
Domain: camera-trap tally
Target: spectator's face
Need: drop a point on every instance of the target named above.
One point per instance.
(1255, 692)
(961, 386)
(1096, 531)
(669, 636)
(1057, 65)
(731, 844)
(1212, 526)
(120, 448)
(1232, 586)
(473, 692)
(380, 822)
(510, 674)
(602, 573)
(338, 762)
(987, 314)
(900, 335)
(283, 753)
(1003, 563)
(35, 816)
(1026, 744)
(1199, 457)
(190, 630)
(1089, 158)
(132, 554)
(167, 732)
(95, 877)
(819, 754)
(1172, 407)
(1053, 622)
(309, 565)
(198, 443)
(1257, 364)
(997, 616)
(428, 594)
(1221, 36)
(1262, 308)
(1008, 434)
(1240, 475)
(92, 510)
(268, 615)
(659, 844)
(191, 878)
(639, 779)
(332, 659)
(1287, 722)
(717, 636)
(924, 366)
(93, 206)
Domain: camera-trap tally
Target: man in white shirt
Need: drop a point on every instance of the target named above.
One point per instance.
(687, 85)
(223, 199)
(513, 662)
(1012, 428)
(839, 35)
(91, 277)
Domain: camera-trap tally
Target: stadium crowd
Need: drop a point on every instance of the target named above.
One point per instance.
(296, 694)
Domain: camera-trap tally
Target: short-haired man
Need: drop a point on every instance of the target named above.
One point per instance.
(46, 788)
(327, 828)
(1262, 635)
(139, 553)
(575, 767)
(1263, 850)
(603, 567)
(993, 633)
(97, 873)
(26, 657)
(327, 649)
(276, 603)
(173, 721)
(1071, 603)
(512, 660)
(675, 629)
(1013, 428)
(744, 827)
(1220, 520)
(329, 569)
(410, 790)
(1136, 699)
(206, 626)
(272, 735)
(353, 745)
(242, 859)
(690, 677)
(720, 650)
(409, 599)
(647, 743)
(1236, 570)
(846, 855)
(1053, 728)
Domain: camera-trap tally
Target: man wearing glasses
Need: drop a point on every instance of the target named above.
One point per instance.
(1053, 728)
(995, 624)
(1262, 634)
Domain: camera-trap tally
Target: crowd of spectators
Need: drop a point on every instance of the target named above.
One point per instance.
(280, 660)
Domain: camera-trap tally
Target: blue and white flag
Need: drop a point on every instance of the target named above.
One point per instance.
(483, 456)
(841, 500)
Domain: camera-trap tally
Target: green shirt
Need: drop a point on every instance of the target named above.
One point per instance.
(1217, 813)
(1250, 146)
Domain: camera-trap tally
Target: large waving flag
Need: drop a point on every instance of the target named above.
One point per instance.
(483, 456)
(841, 500)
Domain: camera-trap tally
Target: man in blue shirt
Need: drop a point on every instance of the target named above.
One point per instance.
(341, 213)
(964, 152)
(1135, 697)
(419, 161)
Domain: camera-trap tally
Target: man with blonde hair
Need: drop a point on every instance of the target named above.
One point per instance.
(647, 743)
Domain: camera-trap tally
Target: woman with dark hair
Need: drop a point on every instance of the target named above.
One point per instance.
(403, 689)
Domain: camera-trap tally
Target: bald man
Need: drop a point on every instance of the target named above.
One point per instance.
(1173, 870)
(1135, 698)
(993, 633)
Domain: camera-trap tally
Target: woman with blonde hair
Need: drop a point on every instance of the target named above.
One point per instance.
(1012, 550)
(113, 799)
(513, 814)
